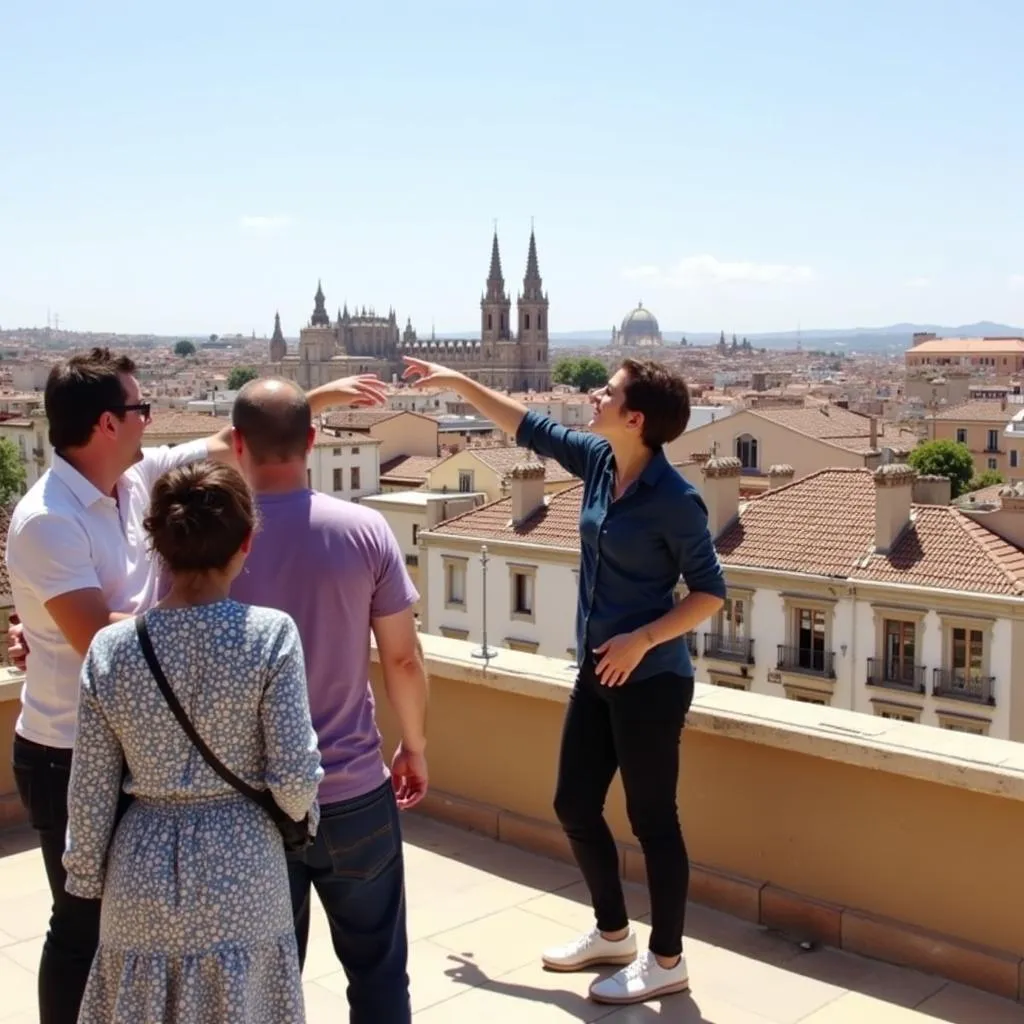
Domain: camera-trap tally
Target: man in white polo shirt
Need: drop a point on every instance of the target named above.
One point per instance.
(77, 558)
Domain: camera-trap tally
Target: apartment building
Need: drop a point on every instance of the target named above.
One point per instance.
(398, 432)
(806, 437)
(853, 588)
(981, 425)
(1002, 358)
(488, 469)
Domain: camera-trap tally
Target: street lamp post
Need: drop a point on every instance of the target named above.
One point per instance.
(483, 651)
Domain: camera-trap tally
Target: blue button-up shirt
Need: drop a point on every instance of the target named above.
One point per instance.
(632, 551)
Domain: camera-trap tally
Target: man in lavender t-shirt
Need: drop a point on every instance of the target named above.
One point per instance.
(336, 568)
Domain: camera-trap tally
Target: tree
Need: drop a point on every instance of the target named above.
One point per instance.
(585, 373)
(240, 376)
(564, 371)
(944, 458)
(184, 349)
(12, 472)
(989, 478)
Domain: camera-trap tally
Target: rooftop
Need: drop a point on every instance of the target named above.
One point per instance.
(969, 346)
(404, 468)
(977, 410)
(479, 912)
(824, 524)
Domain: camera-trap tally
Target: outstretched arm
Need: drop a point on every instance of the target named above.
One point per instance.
(570, 448)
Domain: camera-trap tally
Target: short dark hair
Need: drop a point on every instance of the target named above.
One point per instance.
(275, 428)
(199, 516)
(661, 395)
(79, 391)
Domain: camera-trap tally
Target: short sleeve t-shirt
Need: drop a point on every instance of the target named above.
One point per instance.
(333, 566)
(65, 535)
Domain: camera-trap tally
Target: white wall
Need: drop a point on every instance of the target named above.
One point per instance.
(554, 625)
(365, 456)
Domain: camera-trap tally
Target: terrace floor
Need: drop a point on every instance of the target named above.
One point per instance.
(480, 911)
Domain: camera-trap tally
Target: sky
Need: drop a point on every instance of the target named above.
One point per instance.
(742, 165)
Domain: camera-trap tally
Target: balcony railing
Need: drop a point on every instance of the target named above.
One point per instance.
(896, 675)
(809, 661)
(413, 560)
(961, 685)
(691, 644)
(731, 648)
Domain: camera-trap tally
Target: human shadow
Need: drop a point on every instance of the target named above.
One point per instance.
(681, 1008)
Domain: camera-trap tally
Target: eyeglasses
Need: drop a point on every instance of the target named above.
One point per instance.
(142, 408)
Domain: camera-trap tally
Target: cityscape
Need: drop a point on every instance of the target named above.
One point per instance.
(851, 332)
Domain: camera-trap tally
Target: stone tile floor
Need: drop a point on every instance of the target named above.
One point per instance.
(479, 912)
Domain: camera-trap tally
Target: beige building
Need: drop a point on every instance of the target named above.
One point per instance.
(981, 425)
(489, 470)
(364, 342)
(808, 438)
(1000, 357)
(398, 433)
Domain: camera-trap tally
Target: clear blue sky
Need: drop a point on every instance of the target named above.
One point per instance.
(737, 164)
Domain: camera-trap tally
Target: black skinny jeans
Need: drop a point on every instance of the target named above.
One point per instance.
(636, 729)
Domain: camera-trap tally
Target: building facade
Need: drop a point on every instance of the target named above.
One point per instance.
(365, 342)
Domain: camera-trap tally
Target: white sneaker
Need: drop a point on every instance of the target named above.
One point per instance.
(643, 979)
(590, 949)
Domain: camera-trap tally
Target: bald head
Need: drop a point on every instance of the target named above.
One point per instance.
(274, 420)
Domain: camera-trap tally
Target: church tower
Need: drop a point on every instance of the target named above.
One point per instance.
(319, 317)
(495, 305)
(278, 346)
(532, 306)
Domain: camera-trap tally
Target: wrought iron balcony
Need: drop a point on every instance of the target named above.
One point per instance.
(963, 685)
(691, 644)
(896, 675)
(809, 661)
(730, 648)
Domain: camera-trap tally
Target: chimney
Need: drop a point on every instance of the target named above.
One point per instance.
(721, 491)
(779, 476)
(527, 490)
(873, 435)
(1006, 519)
(894, 491)
(933, 490)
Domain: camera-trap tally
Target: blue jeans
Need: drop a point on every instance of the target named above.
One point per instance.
(357, 869)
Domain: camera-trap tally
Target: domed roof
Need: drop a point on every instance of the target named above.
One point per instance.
(640, 323)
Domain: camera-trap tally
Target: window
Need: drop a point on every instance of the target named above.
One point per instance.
(338, 485)
(900, 640)
(490, 322)
(540, 321)
(810, 638)
(993, 441)
(355, 451)
(1013, 459)
(992, 464)
(454, 582)
(961, 435)
(898, 716)
(526, 321)
(465, 481)
(522, 599)
(967, 653)
(734, 626)
(354, 476)
(335, 451)
(746, 451)
(415, 532)
(976, 727)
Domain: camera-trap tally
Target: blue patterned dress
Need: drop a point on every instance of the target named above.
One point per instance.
(196, 922)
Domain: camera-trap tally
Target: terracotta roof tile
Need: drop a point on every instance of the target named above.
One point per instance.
(556, 524)
(410, 467)
(839, 426)
(364, 419)
(502, 459)
(180, 423)
(824, 524)
(978, 410)
(976, 346)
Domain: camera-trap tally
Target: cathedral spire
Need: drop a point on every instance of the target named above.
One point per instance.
(495, 280)
(278, 346)
(278, 334)
(533, 286)
(319, 317)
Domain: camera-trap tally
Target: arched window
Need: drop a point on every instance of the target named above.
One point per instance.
(526, 321)
(490, 322)
(746, 451)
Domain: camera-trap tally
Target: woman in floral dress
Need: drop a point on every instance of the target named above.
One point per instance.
(196, 921)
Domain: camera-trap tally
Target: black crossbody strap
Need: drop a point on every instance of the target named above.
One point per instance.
(258, 796)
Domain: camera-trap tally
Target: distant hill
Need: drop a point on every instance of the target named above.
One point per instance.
(894, 338)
